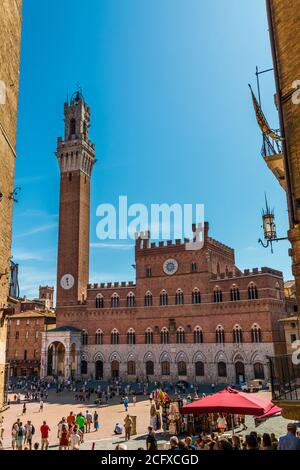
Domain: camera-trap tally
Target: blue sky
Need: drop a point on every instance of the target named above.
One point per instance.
(172, 121)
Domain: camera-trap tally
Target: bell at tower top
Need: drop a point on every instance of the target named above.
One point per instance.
(77, 118)
(76, 151)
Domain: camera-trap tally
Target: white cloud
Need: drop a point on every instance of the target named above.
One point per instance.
(112, 246)
(38, 229)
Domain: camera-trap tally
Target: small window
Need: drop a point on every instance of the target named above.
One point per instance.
(194, 267)
(17, 335)
(293, 338)
(148, 272)
(18, 322)
(27, 322)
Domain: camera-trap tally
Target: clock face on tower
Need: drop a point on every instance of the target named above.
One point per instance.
(67, 281)
(170, 266)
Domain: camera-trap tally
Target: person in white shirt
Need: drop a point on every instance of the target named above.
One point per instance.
(75, 439)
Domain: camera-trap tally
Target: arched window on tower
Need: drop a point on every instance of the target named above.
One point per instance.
(99, 301)
(218, 297)
(198, 335)
(99, 337)
(148, 336)
(72, 127)
(130, 300)
(256, 334)
(148, 299)
(180, 336)
(131, 336)
(84, 337)
(220, 335)
(196, 296)
(115, 300)
(252, 291)
(163, 298)
(234, 293)
(179, 297)
(114, 337)
(237, 334)
(164, 336)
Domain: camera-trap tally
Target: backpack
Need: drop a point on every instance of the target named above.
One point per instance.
(32, 430)
(21, 432)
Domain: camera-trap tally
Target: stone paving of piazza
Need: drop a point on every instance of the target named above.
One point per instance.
(59, 405)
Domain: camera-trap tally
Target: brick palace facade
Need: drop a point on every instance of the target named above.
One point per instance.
(191, 315)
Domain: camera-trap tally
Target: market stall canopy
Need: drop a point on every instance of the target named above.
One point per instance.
(232, 401)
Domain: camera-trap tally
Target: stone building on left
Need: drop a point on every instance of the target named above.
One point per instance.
(10, 43)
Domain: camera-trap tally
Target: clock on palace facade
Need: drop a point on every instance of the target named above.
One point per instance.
(170, 266)
(67, 281)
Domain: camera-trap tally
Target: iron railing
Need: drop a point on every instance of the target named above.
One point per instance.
(285, 377)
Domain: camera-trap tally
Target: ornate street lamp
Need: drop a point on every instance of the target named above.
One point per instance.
(269, 226)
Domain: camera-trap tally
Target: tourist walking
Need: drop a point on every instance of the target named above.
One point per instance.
(96, 421)
(64, 438)
(128, 423)
(20, 436)
(126, 403)
(14, 432)
(45, 436)
(75, 438)
(151, 442)
(80, 421)
(88, 421)
(29, 433)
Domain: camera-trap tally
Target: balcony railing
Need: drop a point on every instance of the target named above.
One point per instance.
(285, 377)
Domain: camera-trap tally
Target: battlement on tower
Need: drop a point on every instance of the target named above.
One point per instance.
(143, 243)
(246, 273)
(111, 285)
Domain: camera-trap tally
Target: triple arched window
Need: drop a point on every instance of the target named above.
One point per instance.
(84, 337)
(148, 336)
(179, 297)
(130, 300)
(115, 300)
(198, 335)
(164, 336)
(218, 297)
(256, 334)
(180, 336)
(220, 335)
(148, 299)
(114, 337)
(252, 291)
(234, 293)
(237, 334)
(99, 337)
(163, 298)
(196, 296)
(99, 301)
(131, 336)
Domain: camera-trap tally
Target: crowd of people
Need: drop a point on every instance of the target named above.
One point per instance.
(206, 433)
(70, 432)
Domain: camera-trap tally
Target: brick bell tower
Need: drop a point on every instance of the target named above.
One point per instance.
(76, 157)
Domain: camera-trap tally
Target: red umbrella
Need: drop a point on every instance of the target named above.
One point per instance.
(230, 401)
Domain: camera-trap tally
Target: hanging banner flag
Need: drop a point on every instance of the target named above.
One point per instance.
(262, 122)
